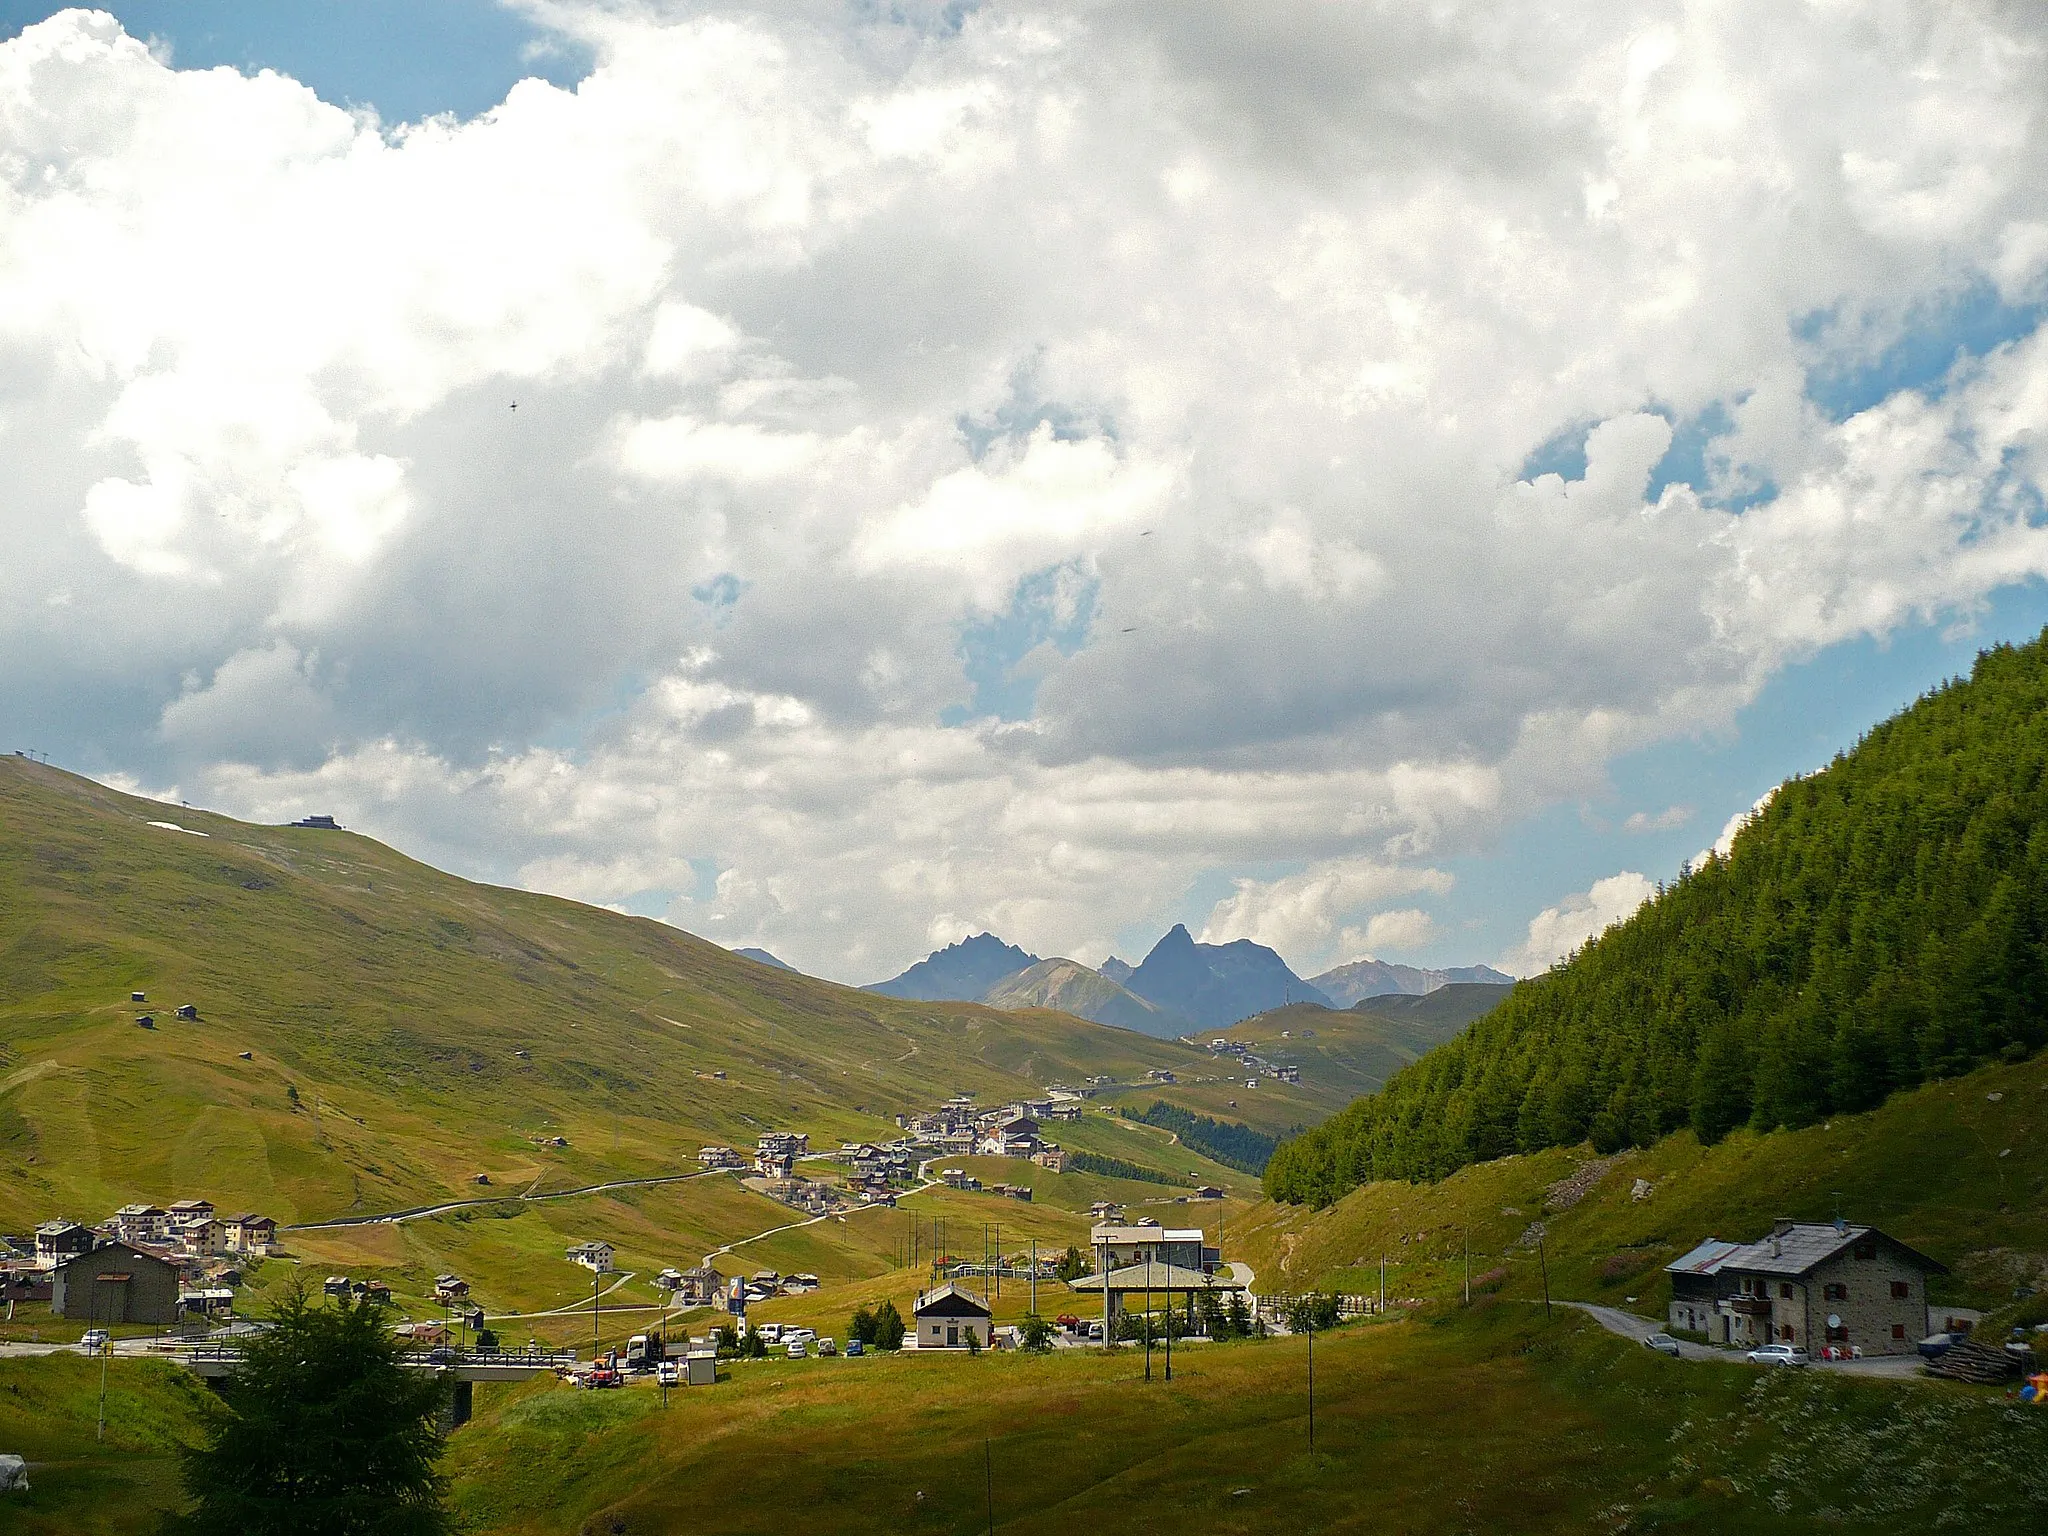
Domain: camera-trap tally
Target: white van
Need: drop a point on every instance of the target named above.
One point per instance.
(770, 1333)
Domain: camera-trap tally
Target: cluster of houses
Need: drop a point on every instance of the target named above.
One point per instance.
(151, 1263)
(1815, 1285)
(959, 1129)
(1255, 1066)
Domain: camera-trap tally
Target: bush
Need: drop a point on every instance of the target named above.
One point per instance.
(1490, 1282)
(1035, 1333)
(1315, 1311)
(889, 1327)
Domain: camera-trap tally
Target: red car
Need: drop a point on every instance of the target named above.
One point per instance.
(1068, 1321)
(603, 1376)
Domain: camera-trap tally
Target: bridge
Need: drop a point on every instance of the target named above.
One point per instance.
(460, 1368)
(216, 1360)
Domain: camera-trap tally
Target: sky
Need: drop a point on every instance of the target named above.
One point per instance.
(1371, 479)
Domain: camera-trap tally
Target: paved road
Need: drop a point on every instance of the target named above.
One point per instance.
(416, 1212)
(1630, 1326)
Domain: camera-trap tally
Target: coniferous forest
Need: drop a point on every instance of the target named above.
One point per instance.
(1879, 923)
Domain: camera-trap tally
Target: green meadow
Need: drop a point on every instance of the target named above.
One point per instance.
(1483, 1419)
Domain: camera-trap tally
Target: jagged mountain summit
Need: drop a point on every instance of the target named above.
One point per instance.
(1352, 983)
(1073, 988)
(959, 973)
(1215, 985)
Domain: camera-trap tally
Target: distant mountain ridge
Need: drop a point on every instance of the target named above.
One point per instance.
(762, 957)
(959, 973)
(1215, 985)
(1073, 988)
(1352, 983)
(1181, 986)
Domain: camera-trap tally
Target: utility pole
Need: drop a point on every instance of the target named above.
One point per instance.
(1311, 1380)
(1102, 1275)
(1147, 1313)
(106, 1349)
(1034, 1277)
(988, 1472)
(595, 1276)
(1544, 1259)
(1383, 1285)
(1465, 1234)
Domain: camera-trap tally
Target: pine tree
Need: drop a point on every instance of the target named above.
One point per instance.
(327, 1434)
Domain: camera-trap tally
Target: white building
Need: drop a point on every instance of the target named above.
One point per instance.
(596, 1257)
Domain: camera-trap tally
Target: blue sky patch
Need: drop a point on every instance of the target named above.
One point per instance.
(1051, 608)
(1849, 376)
(408, 58)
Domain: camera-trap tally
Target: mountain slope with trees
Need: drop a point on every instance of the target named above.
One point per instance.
(1879, 924)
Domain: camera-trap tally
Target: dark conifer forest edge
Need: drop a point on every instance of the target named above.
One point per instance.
(1878, 925)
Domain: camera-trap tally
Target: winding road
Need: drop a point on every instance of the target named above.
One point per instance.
(416, 1212)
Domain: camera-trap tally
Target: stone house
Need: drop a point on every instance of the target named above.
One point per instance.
(1812, 1284)
(116, 1284)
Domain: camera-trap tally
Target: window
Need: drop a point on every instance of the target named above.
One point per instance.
(1866, 1251)
(1898, 1330)
(1901, 1290)
(1785, 1290)
(1835, 1292)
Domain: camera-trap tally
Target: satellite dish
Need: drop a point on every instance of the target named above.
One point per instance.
(1834, 1321)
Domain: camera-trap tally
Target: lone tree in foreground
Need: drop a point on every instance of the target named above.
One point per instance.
(327, 1434)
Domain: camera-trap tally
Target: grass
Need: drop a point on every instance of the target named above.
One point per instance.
(385, 1007)
(49, 1407)
(1419, 1426)
(1957, 1169)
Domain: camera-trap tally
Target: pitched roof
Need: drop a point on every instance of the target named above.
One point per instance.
(1803, 1246)
(1703, 1260)
(950, 1300)
(1157, 1277)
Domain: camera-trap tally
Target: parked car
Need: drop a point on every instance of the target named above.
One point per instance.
(796, 1349)
(855, 1349)
(94, 1341)
(669, 1373)
(1068, 1321)
(1778, 1354)
(771, 1333)
(1663, 1343)
(1093, 1330)
(828, 1346)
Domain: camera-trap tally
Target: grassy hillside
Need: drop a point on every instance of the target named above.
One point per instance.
(408, 1030)
(1958, 1169)
(1880, 924)
(1483, 1420)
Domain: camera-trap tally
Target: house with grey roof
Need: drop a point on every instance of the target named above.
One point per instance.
(1813, 1284)
(949, 1317)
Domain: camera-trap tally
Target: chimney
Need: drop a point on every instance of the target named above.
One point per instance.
(1777, 1245)
(1841, 1227)
(1781, 1226)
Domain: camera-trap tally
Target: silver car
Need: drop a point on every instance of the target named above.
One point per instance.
(1663, 1343)
(1778, 1354)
